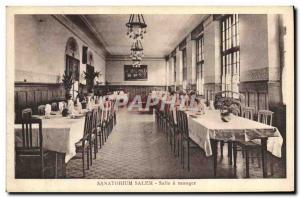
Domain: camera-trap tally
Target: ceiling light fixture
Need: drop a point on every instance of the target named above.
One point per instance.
(136, 26)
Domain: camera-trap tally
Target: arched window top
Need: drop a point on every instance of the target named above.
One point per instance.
(72, 48)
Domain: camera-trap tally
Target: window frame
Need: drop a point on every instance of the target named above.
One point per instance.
(230, 49)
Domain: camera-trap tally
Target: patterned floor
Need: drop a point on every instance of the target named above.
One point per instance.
(136, 149)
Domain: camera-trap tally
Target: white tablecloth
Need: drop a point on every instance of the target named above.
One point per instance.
(59, 134)
(210, 126)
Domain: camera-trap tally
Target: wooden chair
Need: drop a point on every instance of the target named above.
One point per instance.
(32, 144)
(265, 117)
(84, 145)
(169, 123)
(174, 132)
(26, 113)
(248, 112)
(182, 122)
(100, 133)
(94, 134)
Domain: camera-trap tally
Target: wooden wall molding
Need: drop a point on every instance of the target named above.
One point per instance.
(31, 95)
(255, 75)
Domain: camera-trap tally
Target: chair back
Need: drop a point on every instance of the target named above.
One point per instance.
(88, 123)
(182, 121)
(26, 113)
(99, 120)
(248, 112)
(265, 117)
(94, 119)
(29, 139)
(41, 109)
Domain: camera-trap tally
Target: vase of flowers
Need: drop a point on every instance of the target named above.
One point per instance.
(228, 107)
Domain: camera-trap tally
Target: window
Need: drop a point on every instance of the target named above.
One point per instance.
(184, 68)
(230, 53)
(199, 64)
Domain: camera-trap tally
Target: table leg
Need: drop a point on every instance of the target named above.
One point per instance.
(56, 165)
(264, 156)
(214, 147)
(234, 154)
(64, 166)
(247, 162)
(230, 152)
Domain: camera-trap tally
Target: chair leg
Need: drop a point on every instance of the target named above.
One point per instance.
(183, 154)
(221, 147)
(178, 144)
(247, 162)
(88, 158)
(188, 154)
(230, 152)
(56, 162)
(95, 148)
(91, 154)
(234, 154)
(174, 141)
(272, 165)
(83, 168)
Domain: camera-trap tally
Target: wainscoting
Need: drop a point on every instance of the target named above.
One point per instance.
(266, 95)
(31, 95)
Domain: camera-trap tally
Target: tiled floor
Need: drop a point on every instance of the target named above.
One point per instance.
(137, 149)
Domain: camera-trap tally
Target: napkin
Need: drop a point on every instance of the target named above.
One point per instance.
(70, 105)
(61, 106)
(47, 109)
(79, 106)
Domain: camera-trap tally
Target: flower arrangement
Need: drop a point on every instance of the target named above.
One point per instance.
(227, 107)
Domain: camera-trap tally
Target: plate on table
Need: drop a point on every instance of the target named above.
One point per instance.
(193, 116)
(54, 112)
(77, 116)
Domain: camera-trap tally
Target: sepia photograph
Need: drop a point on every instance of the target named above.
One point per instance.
(150, 99)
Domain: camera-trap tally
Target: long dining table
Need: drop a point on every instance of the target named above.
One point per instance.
(59, 135)
(207, 129)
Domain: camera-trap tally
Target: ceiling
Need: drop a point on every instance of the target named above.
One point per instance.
(164, 32)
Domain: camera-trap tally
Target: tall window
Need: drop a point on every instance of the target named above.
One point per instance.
(184, 68)
(230, 52)
(199, 65)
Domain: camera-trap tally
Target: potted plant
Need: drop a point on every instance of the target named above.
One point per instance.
(67, 82)
(90, 77)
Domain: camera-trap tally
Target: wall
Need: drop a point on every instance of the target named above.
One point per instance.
(212, 58)
(40, 43)
(157, 72)
(253, 47)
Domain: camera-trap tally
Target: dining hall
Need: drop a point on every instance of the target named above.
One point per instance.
(151, 96)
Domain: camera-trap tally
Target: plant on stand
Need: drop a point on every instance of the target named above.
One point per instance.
(90, 77)
(67, 82)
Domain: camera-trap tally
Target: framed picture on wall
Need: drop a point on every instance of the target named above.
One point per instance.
(135, 73)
